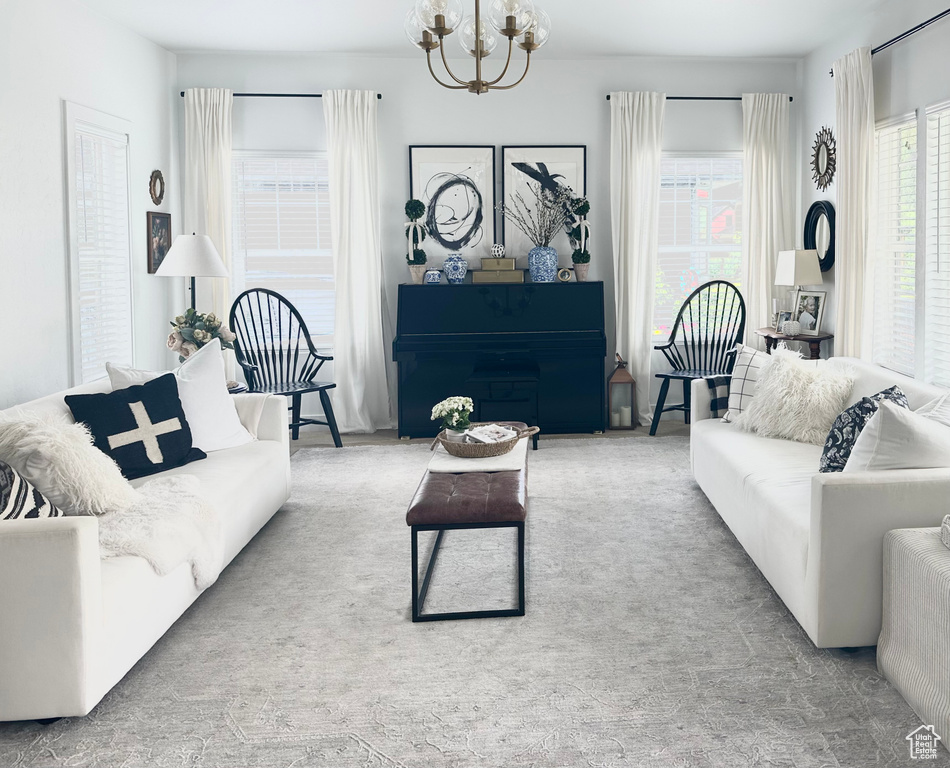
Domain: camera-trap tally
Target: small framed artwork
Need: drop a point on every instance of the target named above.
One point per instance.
(546, 167)
(781, 317)
(457, 185)
(809, 310)
(159, 239)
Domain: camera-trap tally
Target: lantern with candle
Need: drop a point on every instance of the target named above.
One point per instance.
(621, 397)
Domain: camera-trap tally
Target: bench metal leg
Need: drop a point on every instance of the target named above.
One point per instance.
(419, 595)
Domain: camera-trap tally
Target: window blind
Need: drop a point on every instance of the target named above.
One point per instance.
(895, 251)
(281, 234)
(700, 229)
(102, 280)
(937, 362)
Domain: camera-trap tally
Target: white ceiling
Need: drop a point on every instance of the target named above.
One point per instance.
(758, 28)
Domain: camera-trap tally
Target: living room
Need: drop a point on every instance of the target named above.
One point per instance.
(688, 591)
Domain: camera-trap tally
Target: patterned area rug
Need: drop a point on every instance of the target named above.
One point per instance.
(650, 640)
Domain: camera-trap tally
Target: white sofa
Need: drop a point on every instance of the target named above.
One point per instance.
(74, 624)
(817, 538)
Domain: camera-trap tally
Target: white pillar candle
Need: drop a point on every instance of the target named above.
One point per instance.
(774, 306)
(625, 415)
(615, 419)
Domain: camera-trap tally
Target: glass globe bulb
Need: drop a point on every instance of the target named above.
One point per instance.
(467, 37)
(427, 10)
(520, 10)
(417, 32)
(539, 30)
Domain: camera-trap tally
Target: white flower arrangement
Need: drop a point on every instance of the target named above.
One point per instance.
(454, 412)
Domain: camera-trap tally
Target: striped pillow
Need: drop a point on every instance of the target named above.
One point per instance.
(19, 499)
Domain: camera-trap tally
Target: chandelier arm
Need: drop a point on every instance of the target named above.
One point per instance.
(436, 78)
(511, 45)
(446, 65)
(527, 64)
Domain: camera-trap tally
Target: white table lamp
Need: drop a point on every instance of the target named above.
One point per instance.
(192, 256)
(797, 268)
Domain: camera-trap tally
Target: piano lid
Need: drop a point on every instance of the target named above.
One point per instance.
(500, 308)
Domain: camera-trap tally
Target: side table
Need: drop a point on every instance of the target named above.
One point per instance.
(773, 337)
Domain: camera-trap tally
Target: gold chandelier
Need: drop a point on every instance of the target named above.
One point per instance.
(429, 22)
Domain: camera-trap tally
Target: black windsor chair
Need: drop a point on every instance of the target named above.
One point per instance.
(709, 325)
(274, 348)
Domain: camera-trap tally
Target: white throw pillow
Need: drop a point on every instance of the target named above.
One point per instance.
(745, 374)
(937, 409)
(795, 399)
(203, 390)
(896, 438)
(59, 458)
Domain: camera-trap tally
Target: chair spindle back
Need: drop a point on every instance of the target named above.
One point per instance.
(709, 324)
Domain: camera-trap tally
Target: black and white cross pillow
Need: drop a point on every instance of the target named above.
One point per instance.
(19, 500)
(143, 427)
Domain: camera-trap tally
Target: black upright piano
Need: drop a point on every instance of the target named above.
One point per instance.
(532, 352)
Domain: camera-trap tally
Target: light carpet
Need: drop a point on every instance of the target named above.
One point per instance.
(650, 640)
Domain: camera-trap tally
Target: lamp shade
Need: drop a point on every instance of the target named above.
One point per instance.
(192, 256)
(797, 268)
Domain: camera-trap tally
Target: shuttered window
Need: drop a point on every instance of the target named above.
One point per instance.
(937, 358)
(700, 229)
(281, 237)
(100, 251)
(895, 247)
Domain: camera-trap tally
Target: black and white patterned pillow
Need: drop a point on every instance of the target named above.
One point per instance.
(19, 500)
(848, 426)
(143, 427)
(745, 377)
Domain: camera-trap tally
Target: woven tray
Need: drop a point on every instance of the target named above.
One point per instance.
(481, 450)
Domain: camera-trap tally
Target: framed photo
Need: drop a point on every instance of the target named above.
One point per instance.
(781, 317)
(159, 239)
(809, 310)
(549, 166)
(457, 185)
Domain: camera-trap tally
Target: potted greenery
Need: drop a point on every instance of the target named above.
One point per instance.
(578, 232)
(415, 234)
(540, 220)
(455, 413)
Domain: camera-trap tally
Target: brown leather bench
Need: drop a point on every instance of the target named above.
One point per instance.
(472, 500)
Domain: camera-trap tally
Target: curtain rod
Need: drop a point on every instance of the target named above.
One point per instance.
(704, 98)
(904, 35)
(284, 95)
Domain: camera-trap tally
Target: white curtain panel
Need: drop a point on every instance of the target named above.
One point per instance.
(636, 132)
(207, 195)
(361, 398)
(767, 193)
(854, 117)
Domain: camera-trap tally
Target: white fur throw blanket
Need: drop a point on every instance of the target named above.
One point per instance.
(170, 524)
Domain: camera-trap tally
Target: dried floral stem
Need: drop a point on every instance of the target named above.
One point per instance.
(541, 219)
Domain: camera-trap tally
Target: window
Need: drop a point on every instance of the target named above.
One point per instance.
(937, 368)
(100, 286)
(281, 233)
(700, 221)
(895, 252)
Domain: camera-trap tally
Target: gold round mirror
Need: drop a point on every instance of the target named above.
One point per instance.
(823, 158)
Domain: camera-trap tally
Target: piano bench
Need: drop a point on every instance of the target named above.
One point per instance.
(472, 500)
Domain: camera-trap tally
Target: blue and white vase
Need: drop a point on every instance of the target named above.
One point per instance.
(542, 264)
(455, 268)
(433, 276)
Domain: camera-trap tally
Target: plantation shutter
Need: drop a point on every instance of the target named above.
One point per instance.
(281, 237)
(101, 270)
(895, 251)
(937, 366)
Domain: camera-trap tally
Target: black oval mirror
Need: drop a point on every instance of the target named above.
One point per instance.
(819, 234)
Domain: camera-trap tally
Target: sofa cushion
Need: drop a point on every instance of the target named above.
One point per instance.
(844, 432)
(143, 428)
(745, 375)
(19, 499)
(897, 438)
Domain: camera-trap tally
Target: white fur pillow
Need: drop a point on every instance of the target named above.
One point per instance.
(59, 458)
(795, 399)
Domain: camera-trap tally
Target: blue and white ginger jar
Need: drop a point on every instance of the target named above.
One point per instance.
(433, 276)
(542, 264)
(455, 268)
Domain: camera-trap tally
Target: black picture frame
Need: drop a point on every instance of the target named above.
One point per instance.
(473, 232)
(516, 244)
(159, 232)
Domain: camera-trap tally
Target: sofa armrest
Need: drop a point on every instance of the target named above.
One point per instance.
(700, 400)
(264, 416)
(51, 608)
(850, 513)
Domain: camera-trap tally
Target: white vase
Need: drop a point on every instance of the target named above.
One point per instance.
(454, 436)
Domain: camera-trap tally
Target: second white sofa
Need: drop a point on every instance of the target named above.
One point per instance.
(817, 538)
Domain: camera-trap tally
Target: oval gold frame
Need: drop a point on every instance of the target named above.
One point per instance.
(156, 187)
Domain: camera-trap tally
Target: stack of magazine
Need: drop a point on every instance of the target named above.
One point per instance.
(490, 433)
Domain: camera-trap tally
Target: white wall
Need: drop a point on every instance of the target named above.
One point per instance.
(560, 102)
(50, 51)
(910, 75)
